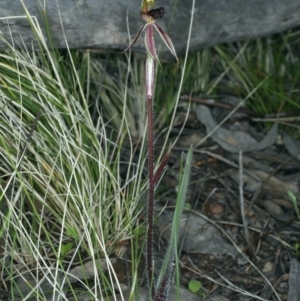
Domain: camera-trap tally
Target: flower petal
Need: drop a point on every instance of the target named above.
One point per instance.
(136, 37)
(166, 39)
(150, 43)
(156, 13)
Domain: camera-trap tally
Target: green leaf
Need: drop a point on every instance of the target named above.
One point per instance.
(72, 232)
(65, 248)
(195, 286)
(187, 206)
(180, 200)
(294, 201)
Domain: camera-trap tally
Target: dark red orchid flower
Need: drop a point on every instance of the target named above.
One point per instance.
(149, 17)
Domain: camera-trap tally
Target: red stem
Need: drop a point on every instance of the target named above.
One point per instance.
(151, 188)
(158, 173)
(150, 73)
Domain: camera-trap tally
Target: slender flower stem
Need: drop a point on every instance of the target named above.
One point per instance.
(150, 73)
(149, 15)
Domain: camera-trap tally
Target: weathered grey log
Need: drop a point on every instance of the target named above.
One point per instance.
(102, 23)
(294, 281)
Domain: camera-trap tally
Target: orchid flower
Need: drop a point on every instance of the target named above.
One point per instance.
(150, 25)
(157, 291)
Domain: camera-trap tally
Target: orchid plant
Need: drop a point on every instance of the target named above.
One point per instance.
(157, 291)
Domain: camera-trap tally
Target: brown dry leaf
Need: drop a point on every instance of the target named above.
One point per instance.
(277, 212)
(188, 140)
(274, 184)
(268, 267)
(284, 203)
(292, 146)
(252, 163)
(215, 209)
(232, 141)
(217, 298)
(277, 188)
(250, 183)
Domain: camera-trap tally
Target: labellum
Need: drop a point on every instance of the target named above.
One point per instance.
(156, 13)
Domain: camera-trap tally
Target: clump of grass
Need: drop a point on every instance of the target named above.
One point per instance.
(65, 201)
(237, 69)
(270, 60)
(116, 88)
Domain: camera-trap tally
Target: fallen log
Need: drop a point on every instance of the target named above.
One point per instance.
(98, 24)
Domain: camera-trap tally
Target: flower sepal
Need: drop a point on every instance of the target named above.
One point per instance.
(149, 17)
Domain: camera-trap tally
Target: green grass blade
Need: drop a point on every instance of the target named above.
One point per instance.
(180, 200)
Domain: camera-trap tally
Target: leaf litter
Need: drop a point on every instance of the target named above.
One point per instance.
(214, 248)
(212, 256)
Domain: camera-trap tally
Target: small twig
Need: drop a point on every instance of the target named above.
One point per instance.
(212, 279)
(213, 103)
(263, 234)
(242, 206)
(219, 157)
